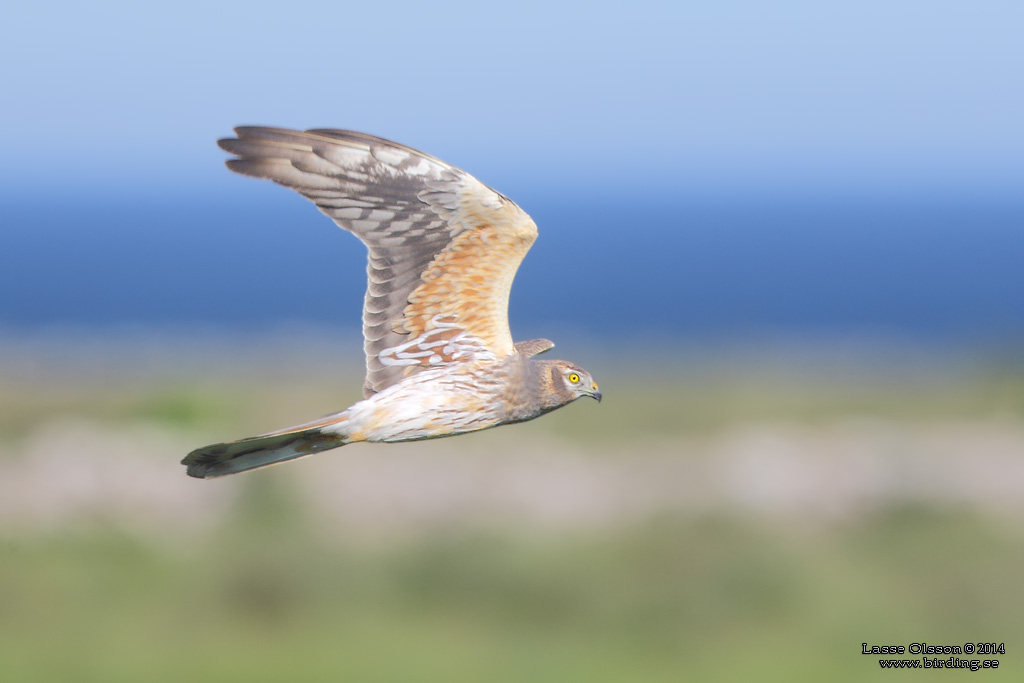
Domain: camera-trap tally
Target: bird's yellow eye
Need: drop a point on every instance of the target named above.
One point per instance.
(574, 378)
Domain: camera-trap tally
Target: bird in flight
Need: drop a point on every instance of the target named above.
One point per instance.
(443, 250)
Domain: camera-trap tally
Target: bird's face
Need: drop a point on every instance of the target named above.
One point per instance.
(578, 382)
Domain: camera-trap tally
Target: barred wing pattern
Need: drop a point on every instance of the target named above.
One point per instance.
(443, 247)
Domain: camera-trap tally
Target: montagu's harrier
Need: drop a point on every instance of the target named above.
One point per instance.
(443, 249)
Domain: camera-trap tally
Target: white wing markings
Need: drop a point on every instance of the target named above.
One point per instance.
(443, 344)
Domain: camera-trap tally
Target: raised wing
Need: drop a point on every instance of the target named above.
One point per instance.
(532, 347)
(443, 247)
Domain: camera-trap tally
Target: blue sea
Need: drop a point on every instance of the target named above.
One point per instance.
(934, 268)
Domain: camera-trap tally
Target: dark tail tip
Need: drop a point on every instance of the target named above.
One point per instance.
(214, 461)
(260, 451)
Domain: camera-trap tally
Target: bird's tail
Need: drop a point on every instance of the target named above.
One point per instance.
(219, 459)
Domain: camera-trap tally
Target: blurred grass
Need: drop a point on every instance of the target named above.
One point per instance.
(708, 598)
(649, 398)
(272, 595)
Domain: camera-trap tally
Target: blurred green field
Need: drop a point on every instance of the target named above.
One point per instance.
(695, 599)
(213, 386)
(270, 591)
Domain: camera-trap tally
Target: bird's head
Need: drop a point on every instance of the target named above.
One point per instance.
(571, 381)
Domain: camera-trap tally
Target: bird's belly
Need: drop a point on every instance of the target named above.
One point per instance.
(421, 412)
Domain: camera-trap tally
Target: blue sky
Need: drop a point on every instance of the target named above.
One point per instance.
(106, 97)
(693, 127)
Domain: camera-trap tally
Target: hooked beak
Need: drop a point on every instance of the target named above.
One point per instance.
(595, 394)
